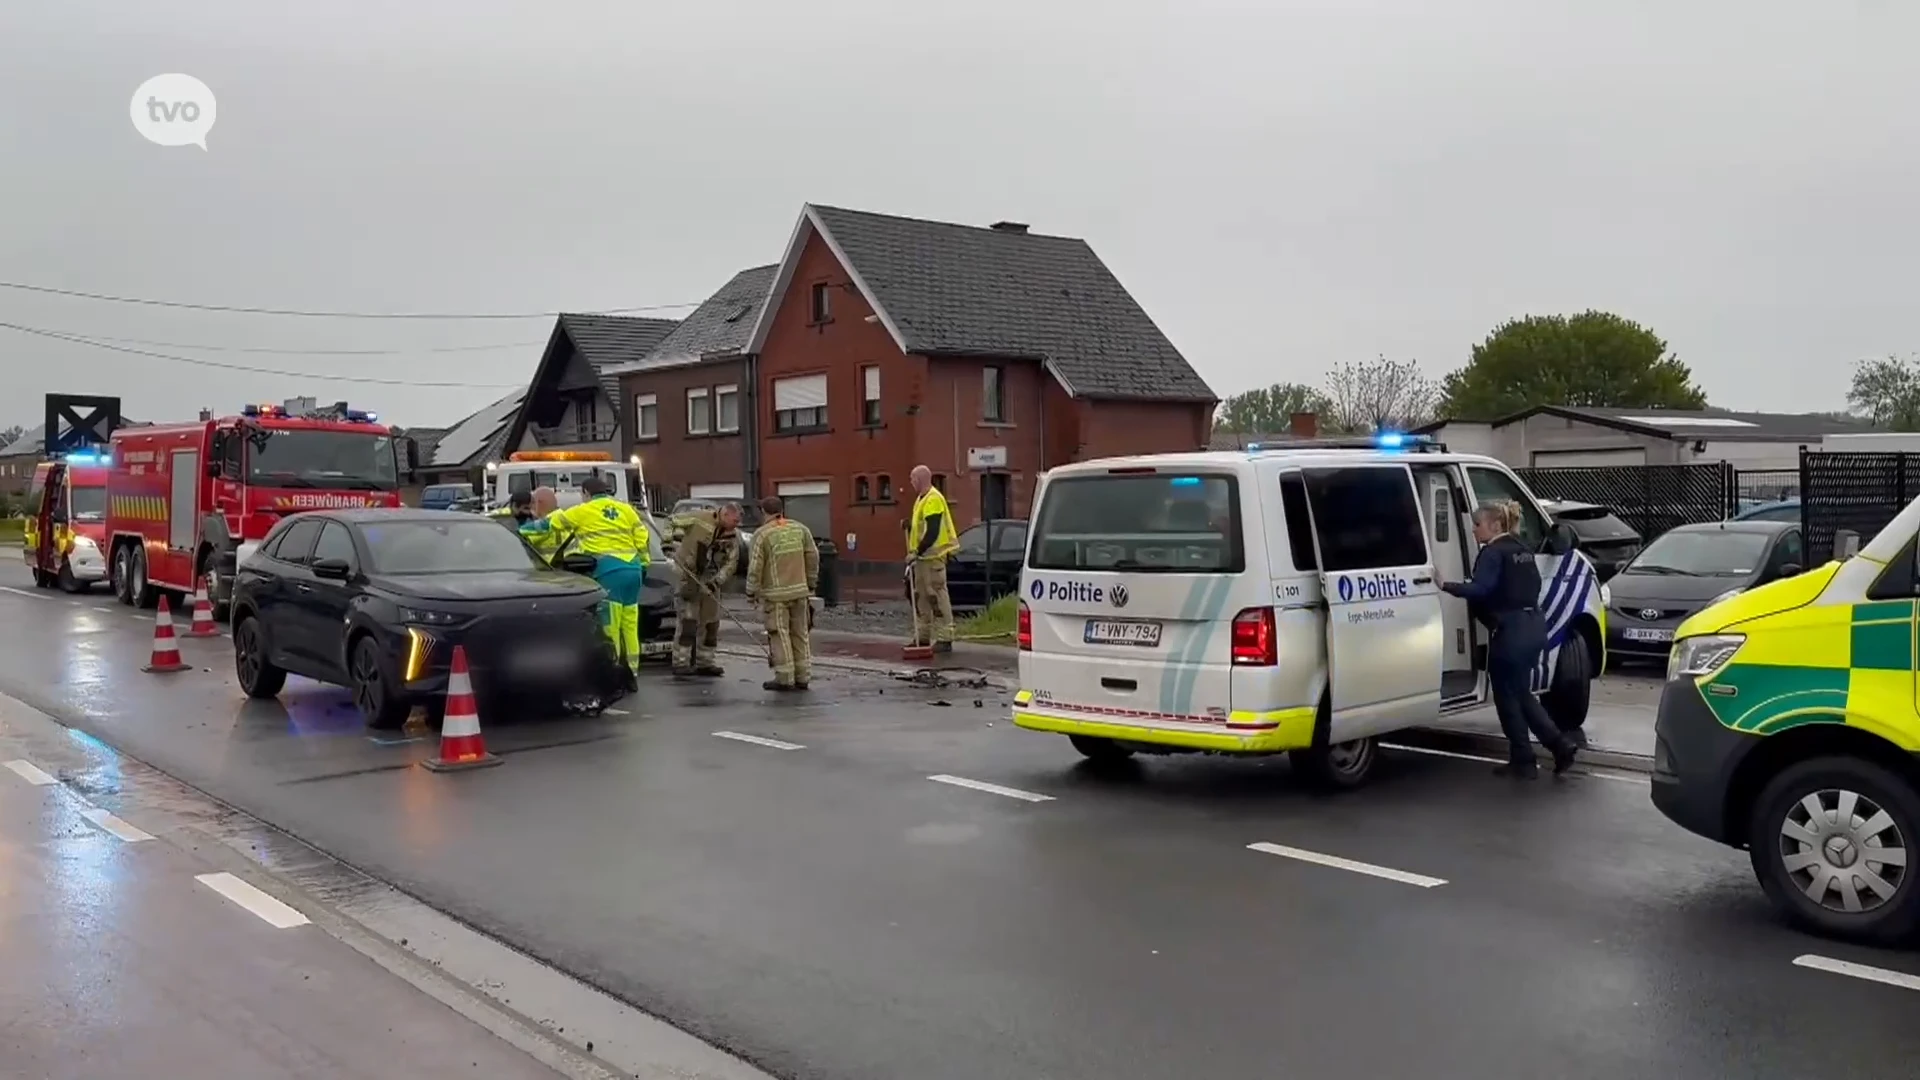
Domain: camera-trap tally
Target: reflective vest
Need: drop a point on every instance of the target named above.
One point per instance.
(600, 526)
(945, 543)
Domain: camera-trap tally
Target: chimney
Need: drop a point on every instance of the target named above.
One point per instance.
(1010, 226)
(1304, 425)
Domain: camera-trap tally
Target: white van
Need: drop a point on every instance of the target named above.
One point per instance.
(563, 471)
(1278, 600)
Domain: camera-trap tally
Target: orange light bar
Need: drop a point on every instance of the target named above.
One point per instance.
(559, 455)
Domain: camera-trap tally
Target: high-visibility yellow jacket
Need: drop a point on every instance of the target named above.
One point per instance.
(925, 507)
(599, 526)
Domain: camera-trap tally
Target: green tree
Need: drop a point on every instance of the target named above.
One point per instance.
(1594, 358)
(1268, 409)
(1887, 392)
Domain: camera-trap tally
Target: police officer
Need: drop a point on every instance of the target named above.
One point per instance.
(1505, 593)
(783, 572)
(930, 543)
(708, 553)
(616, 536)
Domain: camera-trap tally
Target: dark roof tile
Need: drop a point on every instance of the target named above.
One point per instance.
(721, 325)
(611, 341)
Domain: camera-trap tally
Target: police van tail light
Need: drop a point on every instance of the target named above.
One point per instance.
(1026, 628)
(1255, 641)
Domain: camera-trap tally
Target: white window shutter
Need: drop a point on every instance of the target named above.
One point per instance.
(800, 392)
(873, 382)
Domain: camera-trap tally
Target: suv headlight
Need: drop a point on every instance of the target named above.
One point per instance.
(1606, 596)
(86, 544)
(429, 618)
(1695, 657)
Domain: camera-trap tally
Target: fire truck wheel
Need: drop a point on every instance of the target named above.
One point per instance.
(117, 575)
(138, 586)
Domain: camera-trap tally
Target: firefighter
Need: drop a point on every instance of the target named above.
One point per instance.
(709, 550)
(616, 536)
(930, 543)
(783, 571)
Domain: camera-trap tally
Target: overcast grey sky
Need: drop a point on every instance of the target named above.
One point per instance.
(1283, 184)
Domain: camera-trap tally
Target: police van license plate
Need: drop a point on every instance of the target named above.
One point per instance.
(1638, 634)
(1122, 632)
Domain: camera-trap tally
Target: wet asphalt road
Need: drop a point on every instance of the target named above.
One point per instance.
(824, 908)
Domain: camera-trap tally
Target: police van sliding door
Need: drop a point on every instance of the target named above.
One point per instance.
(1385, 631)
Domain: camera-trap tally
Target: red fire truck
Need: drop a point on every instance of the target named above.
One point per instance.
(193, 499)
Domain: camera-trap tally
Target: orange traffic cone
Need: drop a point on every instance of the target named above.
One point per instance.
(461, 745)
(202, 625)
(166, 651)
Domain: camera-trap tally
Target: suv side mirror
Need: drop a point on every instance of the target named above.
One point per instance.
(1788, 570)
(332, 569)
(1561, 539)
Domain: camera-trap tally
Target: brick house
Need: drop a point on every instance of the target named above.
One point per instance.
(686, 397)
(573, 403)
(888, 342)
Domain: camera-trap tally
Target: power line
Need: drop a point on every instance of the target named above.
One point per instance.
(198, 362)
(296, 313)
(300, 352)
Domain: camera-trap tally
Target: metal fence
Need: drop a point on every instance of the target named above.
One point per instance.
(1651, 498)
(1861, 492)
(1757, 486)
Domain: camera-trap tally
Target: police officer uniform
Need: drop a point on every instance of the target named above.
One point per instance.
(1505, 594)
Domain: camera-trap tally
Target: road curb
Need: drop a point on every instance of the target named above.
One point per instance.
(1495, 746)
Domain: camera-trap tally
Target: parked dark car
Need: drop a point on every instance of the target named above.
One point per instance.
(376, 601)
(1784, 510)
(443, 496)
(968, 584)
(1598, 532)
(1688, 569)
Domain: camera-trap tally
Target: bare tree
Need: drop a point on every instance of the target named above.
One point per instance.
(1378, 395)
(9, 435)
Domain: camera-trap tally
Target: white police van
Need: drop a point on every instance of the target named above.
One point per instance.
(1278, 600)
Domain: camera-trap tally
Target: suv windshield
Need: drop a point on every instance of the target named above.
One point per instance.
(89, 503)
(339, 460)
(1163, 522)
(437, 547)
(1701, 554)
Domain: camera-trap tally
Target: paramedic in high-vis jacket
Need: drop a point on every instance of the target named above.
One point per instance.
(616, 536)
(1505, 595)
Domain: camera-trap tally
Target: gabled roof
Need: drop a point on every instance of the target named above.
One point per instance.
(958, 290)
(33, 441)
(1723, 425)
(719, 327)
(480, 437)
(606, 341)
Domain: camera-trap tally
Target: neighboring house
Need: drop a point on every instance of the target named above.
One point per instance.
(685, 401)
(572, 403)
(462, 452)
(18, 458)
(889, 342)
(1560, 436)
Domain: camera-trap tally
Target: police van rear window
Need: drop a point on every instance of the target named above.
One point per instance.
(1158, 523)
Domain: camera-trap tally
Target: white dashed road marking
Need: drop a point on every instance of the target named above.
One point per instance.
(1458, 756)
(1339, 863)
(271, 911)
(757, 740)
(994, 789)
(32, 773)
(25, 593)
(1859, 971)
(114, 825)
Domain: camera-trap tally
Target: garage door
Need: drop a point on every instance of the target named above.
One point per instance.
(807, 503)
(717, 491)
(1569, 459)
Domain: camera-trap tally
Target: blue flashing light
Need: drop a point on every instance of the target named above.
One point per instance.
(1389, 440)
(89, 457)
(1185, 481)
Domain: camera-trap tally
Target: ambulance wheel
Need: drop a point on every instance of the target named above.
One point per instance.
(139, 587)
(1339, 767)
(1101, 750)
(1566, 701)
(373, 692)
(259, 679)
(1813, 837)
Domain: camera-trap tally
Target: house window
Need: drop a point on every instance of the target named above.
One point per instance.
(885, 494)
(699, 412)
(993, 397)
(646, 416)
(862, 491)
(870, 395)
(799, 404)
(822, 308)
(726, 408)
(940, 482)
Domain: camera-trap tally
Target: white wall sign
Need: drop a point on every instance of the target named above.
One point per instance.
(986, 457)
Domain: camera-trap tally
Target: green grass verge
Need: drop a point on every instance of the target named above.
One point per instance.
(11, 530)
(997, 623)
